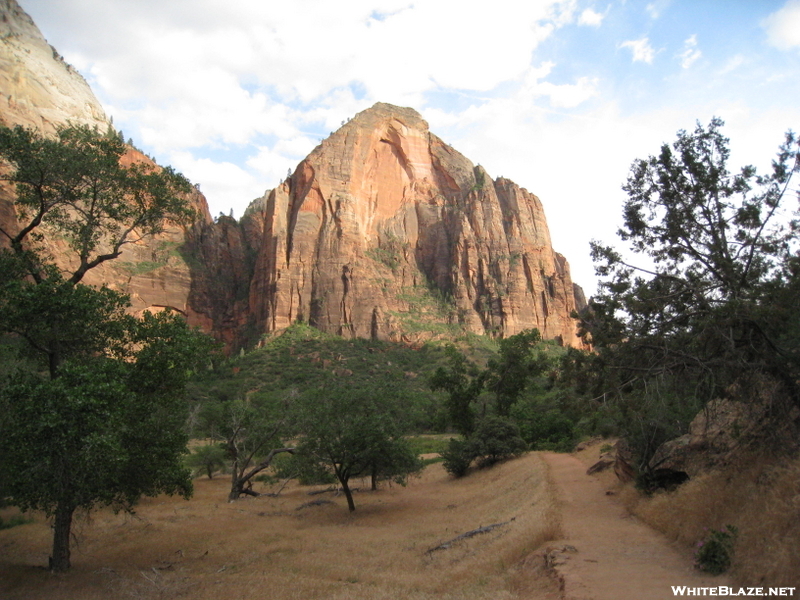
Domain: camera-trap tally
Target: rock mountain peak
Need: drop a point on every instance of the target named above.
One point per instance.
(383, 231)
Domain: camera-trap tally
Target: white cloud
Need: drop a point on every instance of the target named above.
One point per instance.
(783, 26)
(224, 181)
(641, 49)
(657, 8)
(591, 18)
(733, 63)
(690, 53)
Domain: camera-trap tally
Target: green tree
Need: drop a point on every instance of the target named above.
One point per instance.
(518, 362)
(716, 252)
(463, 382)
(494, 439)
(355, 433)
(95, 415)
(250, 427)
(106, 430)
(76, 186)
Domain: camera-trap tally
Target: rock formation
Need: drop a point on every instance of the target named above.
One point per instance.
(384, 227)
(37, 87)
(383, 231)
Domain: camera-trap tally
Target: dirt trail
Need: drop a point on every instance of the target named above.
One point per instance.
(607, 554)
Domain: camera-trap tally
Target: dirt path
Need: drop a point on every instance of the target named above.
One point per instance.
(607, 554)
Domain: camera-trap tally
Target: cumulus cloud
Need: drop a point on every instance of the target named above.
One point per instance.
(690, 52)
(641, 49)
(591, 18)
(783, 26)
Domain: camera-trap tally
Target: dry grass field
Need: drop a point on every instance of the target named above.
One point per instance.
(282, 548)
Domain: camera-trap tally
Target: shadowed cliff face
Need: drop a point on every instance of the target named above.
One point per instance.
(382, 217)
(383, 231)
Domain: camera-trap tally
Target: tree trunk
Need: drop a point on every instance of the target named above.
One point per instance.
(59, 561)
(348, 494)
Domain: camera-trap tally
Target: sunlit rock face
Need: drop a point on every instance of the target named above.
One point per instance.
(382, 213)
(383, 231)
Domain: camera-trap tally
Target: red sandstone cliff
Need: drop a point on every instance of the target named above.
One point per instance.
(383, 231)
(382, 216)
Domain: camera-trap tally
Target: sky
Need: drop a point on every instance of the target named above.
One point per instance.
(560, 96)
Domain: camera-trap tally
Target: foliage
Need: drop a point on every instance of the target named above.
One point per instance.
(719, 256)
(458, 457)
(463, 382)
(14, 521)
(715, 553)
(249, 432)
(75, 185)
(509, 374)
(303, 358)
(93, 413)
(106, 430)
(544, 428)
(495, 439)
(355, 433)
(207, 459)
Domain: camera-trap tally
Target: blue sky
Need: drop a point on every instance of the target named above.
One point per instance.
(558, 95)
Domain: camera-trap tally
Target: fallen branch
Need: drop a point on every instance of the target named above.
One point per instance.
(313, 503)
(468, 534)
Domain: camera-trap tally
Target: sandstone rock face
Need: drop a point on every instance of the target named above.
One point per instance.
(384, 231)
(383, 222)
(37, 88)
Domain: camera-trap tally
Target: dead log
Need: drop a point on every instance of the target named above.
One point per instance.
(467, 535)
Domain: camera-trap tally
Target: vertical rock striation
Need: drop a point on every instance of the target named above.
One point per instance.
(382, 215)
(383, 231)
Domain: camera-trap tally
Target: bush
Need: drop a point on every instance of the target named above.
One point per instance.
(715, 553)
(495, 439)
(206, 459)
(458, 457)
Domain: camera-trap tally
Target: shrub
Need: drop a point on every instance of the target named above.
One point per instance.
(495, 439)
(206, 459)
(458, 457)
(714, 554)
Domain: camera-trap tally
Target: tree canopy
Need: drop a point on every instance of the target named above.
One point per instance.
(93, 412)
(354, 433)
(77, 185)
(707, 301)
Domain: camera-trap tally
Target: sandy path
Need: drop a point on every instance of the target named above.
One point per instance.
(609, 554)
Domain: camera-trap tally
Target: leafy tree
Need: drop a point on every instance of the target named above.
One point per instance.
(718, 253)
(106, 430)
(77, 186)
(250, 428)
(354, 432)
(94, 415)
(463, 382)
(508, 375)
(208, 458)
(494, 439)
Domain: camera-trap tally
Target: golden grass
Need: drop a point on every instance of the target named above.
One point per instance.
(266, 548)
(760, 497)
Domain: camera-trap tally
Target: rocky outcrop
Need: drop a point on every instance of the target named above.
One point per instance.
(37, 87)
(384, 228)
(384, 231)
